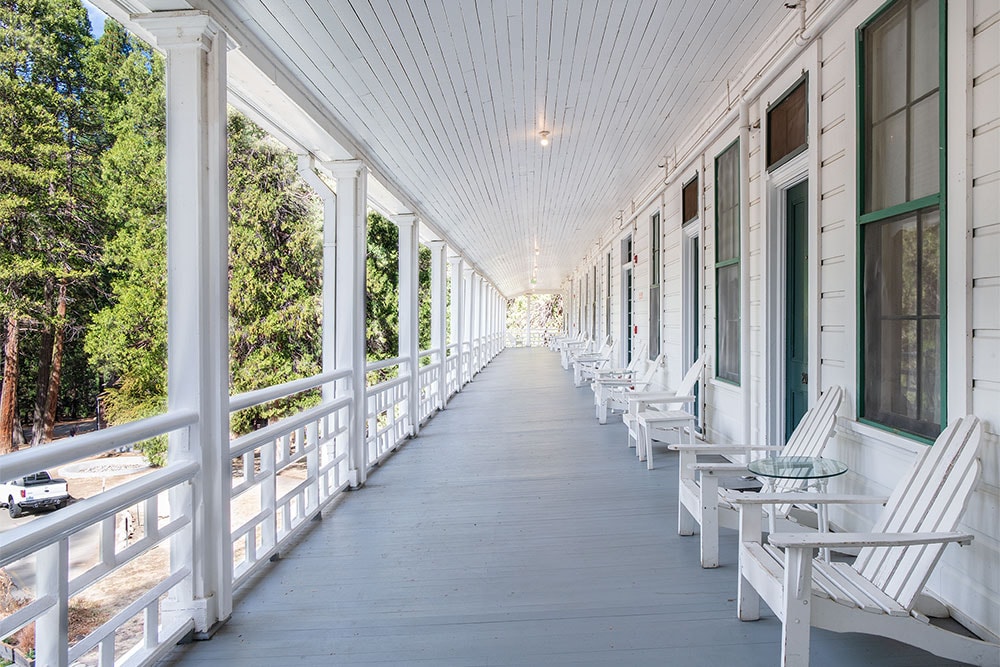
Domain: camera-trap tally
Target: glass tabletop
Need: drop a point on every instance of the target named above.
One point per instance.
(797, 467)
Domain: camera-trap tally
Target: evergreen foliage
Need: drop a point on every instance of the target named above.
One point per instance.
(83, 239)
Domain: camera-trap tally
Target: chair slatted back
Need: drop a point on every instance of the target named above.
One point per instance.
(931, 498)
(646, 377)
(690, 379)
(810, 437)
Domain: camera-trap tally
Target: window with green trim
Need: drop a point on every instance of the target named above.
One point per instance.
(727, 263)
(607, 296)
(654, 285)
(902, 217)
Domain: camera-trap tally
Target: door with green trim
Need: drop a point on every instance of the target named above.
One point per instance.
(796, 305)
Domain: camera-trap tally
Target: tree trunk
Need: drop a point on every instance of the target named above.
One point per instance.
(8, 393)
(58, 338)
(42, 385)
(44, 368)
(18, 437)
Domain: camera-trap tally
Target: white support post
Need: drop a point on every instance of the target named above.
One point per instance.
(409, 341)
(473, 323)
(198, 304)
(307, 169)
(352, 249)
(439, 322)
(458, 314)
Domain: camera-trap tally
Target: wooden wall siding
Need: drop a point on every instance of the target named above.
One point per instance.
(968, 578)
(971, 580)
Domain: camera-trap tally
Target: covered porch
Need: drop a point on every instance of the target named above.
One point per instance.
(513, 531)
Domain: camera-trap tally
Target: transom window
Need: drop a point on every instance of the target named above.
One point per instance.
(902, 218)
(787, 125)
(727, 263)
(689, 200)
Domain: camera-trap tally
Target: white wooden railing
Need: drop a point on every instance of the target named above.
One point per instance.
(285, 473)
(67, 562)
(430, 383)
(387, 420)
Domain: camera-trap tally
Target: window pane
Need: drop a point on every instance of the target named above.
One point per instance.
(689, 200)
(887, 169)
(924, 48)
(887, 64)
(728, 322)
(901, 363)
(925, 159)
(728, 202)
(786, 125)
(930, 243)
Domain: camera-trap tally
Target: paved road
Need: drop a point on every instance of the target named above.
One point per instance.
(83, 550)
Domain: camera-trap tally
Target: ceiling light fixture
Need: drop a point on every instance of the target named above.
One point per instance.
(544, 134)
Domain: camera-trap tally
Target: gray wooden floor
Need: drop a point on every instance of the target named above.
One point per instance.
(513, 531)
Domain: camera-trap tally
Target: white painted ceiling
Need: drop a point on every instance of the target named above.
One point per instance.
(448, 97)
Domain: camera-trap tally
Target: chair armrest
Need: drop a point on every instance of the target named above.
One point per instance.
(715, 468)
(808, 498)
(708, 448)
(614, 382)
(840, 540)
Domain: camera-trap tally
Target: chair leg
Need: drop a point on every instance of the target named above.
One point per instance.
(748, 601)
(797, 598)
(709, 521)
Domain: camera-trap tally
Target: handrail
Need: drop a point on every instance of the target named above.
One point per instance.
(386, 363)
(28, 461)
(28, 538)
(428, 353)
(246, 443)
(429, 367)
(267, 394)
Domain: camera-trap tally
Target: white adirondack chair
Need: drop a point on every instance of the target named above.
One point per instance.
(586, 366)
(877, 594)
(623, 374)
(567, 349)
(556, 342)
(701, 501)
(652, 409)
(586, 353)
(612, 395)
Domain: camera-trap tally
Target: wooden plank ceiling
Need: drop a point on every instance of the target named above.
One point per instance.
(449, 97)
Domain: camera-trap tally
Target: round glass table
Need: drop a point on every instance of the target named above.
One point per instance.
(797, 467)
(813, 471)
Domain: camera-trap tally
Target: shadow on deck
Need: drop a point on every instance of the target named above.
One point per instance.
(513, 531)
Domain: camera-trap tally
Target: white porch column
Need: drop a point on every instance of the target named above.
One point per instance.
(474, 323)
(350, 344)
(307, 169)
(409, 334)
(439, 322)
(458, 313)
(198, 305)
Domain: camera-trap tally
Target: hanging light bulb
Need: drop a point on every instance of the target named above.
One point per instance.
(544, 134)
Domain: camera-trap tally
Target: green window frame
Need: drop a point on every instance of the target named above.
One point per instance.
(655, 262)
(727, 264)
(902, 230)
(607, 296)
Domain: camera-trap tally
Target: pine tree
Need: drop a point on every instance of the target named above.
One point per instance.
(45, 160)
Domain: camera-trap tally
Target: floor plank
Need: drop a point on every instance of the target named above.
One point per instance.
(514, 530)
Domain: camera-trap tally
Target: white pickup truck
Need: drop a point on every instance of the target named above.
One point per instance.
(32, 492)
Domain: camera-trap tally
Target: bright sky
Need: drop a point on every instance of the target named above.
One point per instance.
(96, 19)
